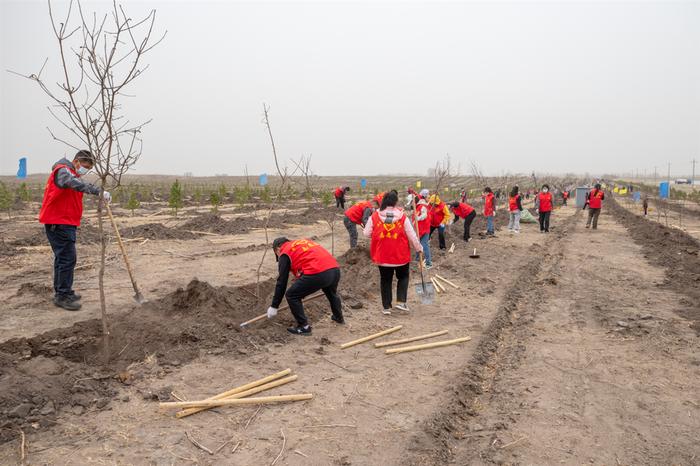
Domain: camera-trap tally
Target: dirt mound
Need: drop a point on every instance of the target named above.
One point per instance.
(36, 289)
(213, 223)
(7, 250)
(63, 369)
(308, 216)
(356, 266)
(157, 231)
(671, 248)
(87, 234)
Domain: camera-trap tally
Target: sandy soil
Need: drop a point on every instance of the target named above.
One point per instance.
(580, 352)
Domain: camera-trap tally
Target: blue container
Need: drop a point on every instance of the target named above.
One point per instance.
(664, 190)
(581, 197)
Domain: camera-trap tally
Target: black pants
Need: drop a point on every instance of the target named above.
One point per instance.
(386, 275)
(62, 240)
(468, 224)
(327, 281)
(340, 202)
(544, 221)
(352, 231)
(441, 235)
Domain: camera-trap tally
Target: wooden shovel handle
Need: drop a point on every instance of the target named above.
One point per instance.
(121, 246)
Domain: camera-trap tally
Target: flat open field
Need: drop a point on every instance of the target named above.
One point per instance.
(584, 346)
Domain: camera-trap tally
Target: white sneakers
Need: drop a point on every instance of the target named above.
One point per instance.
(402, 306)
(386, 312)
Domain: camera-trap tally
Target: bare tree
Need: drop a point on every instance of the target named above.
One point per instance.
(284, 175)
(99, 59)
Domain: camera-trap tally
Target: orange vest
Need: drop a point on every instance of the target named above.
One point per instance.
(61, 206)
(423, 225)
(354, 213)
(437, 214)
(389, 244)
(307, 257)
(489, 204)
(463, 210)
(545, 202)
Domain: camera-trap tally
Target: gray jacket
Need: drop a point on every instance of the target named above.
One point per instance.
(65, 179)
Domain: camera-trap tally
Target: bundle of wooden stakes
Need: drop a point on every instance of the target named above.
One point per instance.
(405, 349)
(440, 282)
(238, 395)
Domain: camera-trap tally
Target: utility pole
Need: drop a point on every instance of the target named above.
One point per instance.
(669, 177)
(692, 180)
(654, 175)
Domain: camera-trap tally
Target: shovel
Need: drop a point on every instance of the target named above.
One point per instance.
(138, 297)
(424, 290)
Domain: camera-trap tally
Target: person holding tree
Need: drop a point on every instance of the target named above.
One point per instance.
(60, 214)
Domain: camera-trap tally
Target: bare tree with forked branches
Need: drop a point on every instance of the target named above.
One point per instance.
(99, 59)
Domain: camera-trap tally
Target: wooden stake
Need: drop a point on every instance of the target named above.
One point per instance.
(437, 288)
(250, 390)
(409, 340)
(447, 281)
(438, 344)
(241, 401)
(439, 285)
(282, 308)
(371, 337)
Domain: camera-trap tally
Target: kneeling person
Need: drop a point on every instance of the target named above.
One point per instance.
(315, 269)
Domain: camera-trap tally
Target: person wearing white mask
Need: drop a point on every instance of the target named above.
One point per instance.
(61, 210)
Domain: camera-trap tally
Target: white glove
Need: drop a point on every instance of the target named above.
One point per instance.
(107, 197)
(271, 312)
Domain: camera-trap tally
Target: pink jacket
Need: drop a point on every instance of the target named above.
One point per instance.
(392, 215)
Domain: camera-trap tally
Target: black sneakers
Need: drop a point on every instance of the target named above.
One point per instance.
(300, 330)
(338, 320)
(67, 303)
(74, 297)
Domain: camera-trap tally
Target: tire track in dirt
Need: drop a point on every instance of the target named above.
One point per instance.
(498, 348)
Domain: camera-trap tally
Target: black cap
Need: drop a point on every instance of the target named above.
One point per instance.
(277, 243)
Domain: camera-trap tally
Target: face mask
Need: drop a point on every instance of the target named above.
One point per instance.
(545, 190)
(82, 170)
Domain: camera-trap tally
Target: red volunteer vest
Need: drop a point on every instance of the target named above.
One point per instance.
(389, 244)
(513, 203)
(307, 257)
(437, 214)
(545, 202)
(595, 199)
(463, 210)
(61, 206)
(488, 205)
(338, 192)
(423, 225)
(354, 213)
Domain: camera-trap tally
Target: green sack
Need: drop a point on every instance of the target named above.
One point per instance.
(526, 217)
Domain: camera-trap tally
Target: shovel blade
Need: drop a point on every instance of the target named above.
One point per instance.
(138, 297)
(426, 295)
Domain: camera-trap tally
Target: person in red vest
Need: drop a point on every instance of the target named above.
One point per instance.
(339, 194)
(489, 210)
(467, 213)
(358, 214)
(544, 204)
(594, 201)
(422, 218)
(60, 214)
(391, 236)
(564, 196)
(515, 206)
(315, 269)
(439, 216)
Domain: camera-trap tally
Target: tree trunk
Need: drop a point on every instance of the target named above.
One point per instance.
(101, 275)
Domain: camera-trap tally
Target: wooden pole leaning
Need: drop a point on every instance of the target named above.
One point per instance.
(409, 340)
(235, 396)
(439, 285)
(447, 281)
(282, 308)
(371, 337)
(240, 401)
(438, 344)
(248, 386)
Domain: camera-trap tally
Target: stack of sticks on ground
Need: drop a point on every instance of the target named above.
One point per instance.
(405, 349)
(238, 395)
(440, 282)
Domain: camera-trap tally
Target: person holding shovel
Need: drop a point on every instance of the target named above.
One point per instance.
(315, 269)
(467, 213)
(358, 214)
(489, 210)
(339, 195)
(61, 210)
(594, 201)
(422, 218)
(391, 237)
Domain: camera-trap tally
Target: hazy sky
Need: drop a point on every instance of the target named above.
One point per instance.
(388, 88)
